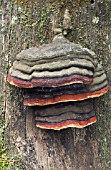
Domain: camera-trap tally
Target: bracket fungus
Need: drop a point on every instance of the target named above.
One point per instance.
(63, 115)
(56, 64)
(59, 79)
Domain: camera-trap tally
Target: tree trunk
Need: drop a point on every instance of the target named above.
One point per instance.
(28, 24)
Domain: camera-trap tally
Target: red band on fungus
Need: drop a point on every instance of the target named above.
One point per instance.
(18, 83)
(49, 82)
(65, 98)
(67, 124)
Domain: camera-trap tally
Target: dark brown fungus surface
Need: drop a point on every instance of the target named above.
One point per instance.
(63, 115)
(56, 64)
(74, 92)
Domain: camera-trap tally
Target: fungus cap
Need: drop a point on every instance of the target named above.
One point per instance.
(56, 64)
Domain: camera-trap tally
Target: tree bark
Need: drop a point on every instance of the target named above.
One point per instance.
(28, 24)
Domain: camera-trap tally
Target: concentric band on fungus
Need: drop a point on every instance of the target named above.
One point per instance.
(65, 98)
(53, 66)
(49, 82)
(75, 92)
(67, 124)
(63, 115)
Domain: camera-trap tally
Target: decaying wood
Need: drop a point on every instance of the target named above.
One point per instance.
(70, 149)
